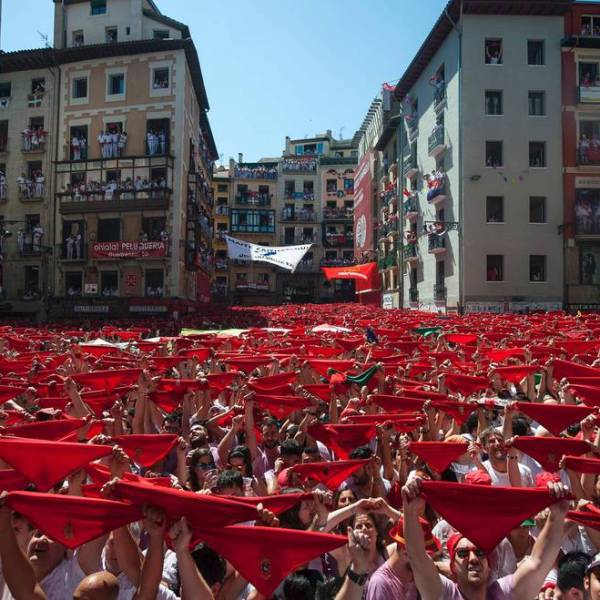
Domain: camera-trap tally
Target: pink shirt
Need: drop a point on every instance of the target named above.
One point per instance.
(385, 583)
(501, 589)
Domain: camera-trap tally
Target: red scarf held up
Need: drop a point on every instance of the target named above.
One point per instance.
(343, 438)
(549, 450)
(582, 464)
(280, 406)
(566, 369)
(107, 380)
(554, 417)
(484, 514)
(200, 354)
(465, 384)
(266, 384)
(588, 394)
(461, 339)
(320, 390)
(45, 463)
(247, 364)
(500, 355)
(45, 430)
(12, 480)
(515, 374)
(331, 474)
(439, 455)
(276, 503)
(72, 520)
(322, 366)
(266, 555)
(146, 449)
(391, 403)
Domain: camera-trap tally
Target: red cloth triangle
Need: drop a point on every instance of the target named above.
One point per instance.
(266, 384)
(266, 555)
(320, 390)
(146, 449)
(280, 406)
(107, 380)
(180, 386)
(582, 464)
(12, 480)
(72, 520)
(438, 455)
(462, 339)
(219, 381)
(465, 384)
(46, 430)
(549, 450)
(516, 374)
(168, 401)
(484, 514)
(322, 366)
(391, 403)
(200, 354)
(588, 517)
(588, 394)
(401, 423)
(591, 381)
(501, 354)
(331, 474)
(45, 463)
(459, 411)
(10, 393)
(566, 368)
(276, 504)
(343, 438)
(247, 364)
(554, 417)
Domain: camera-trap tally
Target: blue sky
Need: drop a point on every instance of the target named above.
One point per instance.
(277, 67)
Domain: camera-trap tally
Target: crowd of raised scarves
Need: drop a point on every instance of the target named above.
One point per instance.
(336, 451)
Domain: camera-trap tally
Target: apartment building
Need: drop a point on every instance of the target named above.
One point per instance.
(132, 197)
(28, 97)
(479, 170)
(221, 195)
(581, 153)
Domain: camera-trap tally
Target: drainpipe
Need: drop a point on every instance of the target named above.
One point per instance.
(399, 189)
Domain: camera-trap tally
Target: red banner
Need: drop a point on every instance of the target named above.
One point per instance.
(366, 276)
(129, 249)
(363, 206)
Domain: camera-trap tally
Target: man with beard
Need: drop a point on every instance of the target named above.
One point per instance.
(367, 481)
(470, 565)
(267, 452)
(503, 463)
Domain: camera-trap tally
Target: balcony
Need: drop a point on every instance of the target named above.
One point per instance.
(411, 208)
(588, 94)
(337, 262)
(338, 214)
(439, 97)
(436, 142)
(410, 254)
(338, 239)
(253, 199)
(222, 210)
(409, 165)
(390, 260)
(292, 195)
(439, 292)
(97, 201)
(390, 227)
(221, 264)
(35, 100)
(436, 244)
(31, 189)
(298, 216)
(436, 188)
(299, 165)
(221, 233)
(34, 143)
(413, 295)
(299, 238)
(338, 160)
(252, 286)
(72, 250)
(307, 266)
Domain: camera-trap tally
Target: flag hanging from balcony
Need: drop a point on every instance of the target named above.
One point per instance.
(366, 276)
(286, 257)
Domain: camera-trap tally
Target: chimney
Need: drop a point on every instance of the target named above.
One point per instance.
(240, 157)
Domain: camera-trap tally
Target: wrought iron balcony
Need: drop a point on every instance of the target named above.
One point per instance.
(436, 141)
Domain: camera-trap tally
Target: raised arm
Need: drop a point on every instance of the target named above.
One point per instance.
(154, 524)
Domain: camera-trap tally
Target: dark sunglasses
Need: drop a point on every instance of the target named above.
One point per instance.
(464, 553)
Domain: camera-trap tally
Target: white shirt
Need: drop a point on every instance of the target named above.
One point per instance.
(502, 479)
(60, 583)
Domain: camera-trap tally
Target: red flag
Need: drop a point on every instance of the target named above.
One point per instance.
(465, 384)
(343, 438)
(45, 430)
(331, 474)
(266, 384)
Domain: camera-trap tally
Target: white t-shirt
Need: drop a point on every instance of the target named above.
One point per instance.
(502, 479)
(61, 583)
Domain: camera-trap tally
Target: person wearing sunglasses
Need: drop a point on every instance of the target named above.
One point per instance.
(471, 565)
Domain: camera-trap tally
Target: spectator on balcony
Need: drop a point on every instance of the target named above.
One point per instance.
(70, 246)
(20, 240)
(26, 133)
(2, 187)
(24, 184)
(584, 148)
(39, 184)
(122, 143)
(104, 141)
(587, 80)
(37, 233)
(152, 142)
(74, 291)
(143, 236)
(162, 141)
(435, 184)
(113, 148)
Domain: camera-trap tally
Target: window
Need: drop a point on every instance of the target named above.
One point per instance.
(157, 136)
(34, 168)
(80, 87)
(495, 267)
(154, 227)
(494, 209)
(77, 37)
(5, 89)
(309, 187)
(535, 53)
(590, 26)
(73, 283)
(3, 138)
(537, 104)
(493, 51)
(537, 209)
(493, 154)
(116, 84)
(493, 102)
(332, 186)
(160, 78)
(38, 85)
(222, 187)
(537, 154)
(98, 7)
(32, 279)
(109, 230)
(589, 263)
(161, 34)
(155, 282)
(109, 283)
(111, 35)
(537, 267)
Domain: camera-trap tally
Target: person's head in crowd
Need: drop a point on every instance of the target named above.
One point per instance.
(366, 523)
(290, 453)
(493, 444)
(97, 586)
(311, 454)
(521, 426)
(302, 585)
(230, 483)
(343, 498)
(364, 475)
(171, 424)
(571, 574)
(200, 462)
(239, 458)
(198, 436)
(469, 565)
(291, 431)
(212, 567)
(270, 433)
(300, 516)
(470, 425)
(44, 554)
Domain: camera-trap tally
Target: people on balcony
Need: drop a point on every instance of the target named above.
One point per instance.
(435, 233)
(73, 247)
(34, 138)
(109, 292)
(259, 172)
(435, 184)
(37, 233)
(32, 186)
(156, 142)
(124, 189)
(156, 292)
(112, 143)
(292, 164)
(79, 147)
(3, 187)
(74, 291)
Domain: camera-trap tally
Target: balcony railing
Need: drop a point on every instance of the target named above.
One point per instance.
(222, 210)
(413, 294)
(439, 97)
(31, 189)
(253, 200)
(337, 262)
(387, 228)
(95, 201)
(248, 228)
(410, 252)
(255, 172)
(588, 94)
(292, 195)
(436, 243)
(435, 142)
(298, 165)
(307, 266)
(30, 144)
(411, 208)
(338, 239)
(439, 292)
(298, 215)
(288, 240)
(249, 285)
(338, 160)
(586, 226)
(409, 165)
(338, 214)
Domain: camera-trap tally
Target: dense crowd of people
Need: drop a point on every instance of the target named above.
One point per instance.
(258, 172)
(124, 189)
(34, 138)
(299, 164)
(32, 185)
(333, 452)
